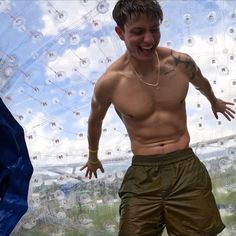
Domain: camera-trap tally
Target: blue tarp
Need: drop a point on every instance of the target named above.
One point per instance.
(15, 172)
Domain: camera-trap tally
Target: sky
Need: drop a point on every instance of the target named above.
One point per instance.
(52, 53)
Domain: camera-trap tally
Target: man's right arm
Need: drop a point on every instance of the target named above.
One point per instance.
(97, 114)
(99, 106)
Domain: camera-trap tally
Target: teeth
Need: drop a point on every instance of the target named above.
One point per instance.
(147, 48)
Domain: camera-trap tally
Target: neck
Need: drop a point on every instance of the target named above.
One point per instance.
(150, 74)
(144, 67)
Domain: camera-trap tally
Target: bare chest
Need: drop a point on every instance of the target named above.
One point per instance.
(134, 99)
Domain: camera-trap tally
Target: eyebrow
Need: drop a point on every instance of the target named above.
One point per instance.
(141, 27)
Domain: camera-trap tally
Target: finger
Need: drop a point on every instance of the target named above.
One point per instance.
(102, 170)
(83, 168)
(87, 172)
(90, 174)
(226, 116)
(229, 103)
(230, 114)
(216, 116)
(231, 110)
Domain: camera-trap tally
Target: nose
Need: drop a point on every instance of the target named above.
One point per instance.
(148, 38)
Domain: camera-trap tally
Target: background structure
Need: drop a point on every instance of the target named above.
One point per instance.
(51, 54)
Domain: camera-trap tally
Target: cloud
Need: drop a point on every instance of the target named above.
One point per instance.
(59, 16)
(85, 60)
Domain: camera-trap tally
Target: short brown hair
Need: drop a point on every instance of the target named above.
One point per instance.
(124, 9)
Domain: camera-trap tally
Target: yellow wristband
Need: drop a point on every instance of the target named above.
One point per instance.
(93, 151)
(93, 162)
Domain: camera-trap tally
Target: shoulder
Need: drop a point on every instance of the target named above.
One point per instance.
(166, 53)
(181, 60)
(169, 55)
(110, 78)
(185, 59)
(115, 72)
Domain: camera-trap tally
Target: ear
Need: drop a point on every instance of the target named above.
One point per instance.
(120, 32)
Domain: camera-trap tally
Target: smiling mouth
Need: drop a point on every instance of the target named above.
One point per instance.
(147, 49)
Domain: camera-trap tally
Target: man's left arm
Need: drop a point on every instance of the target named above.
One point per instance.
(204, 86)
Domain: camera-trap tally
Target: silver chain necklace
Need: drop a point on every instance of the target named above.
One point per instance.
(156, 84)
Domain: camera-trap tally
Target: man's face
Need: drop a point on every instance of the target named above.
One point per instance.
(141, 35)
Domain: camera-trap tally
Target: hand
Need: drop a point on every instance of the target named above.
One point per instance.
(92, 167)
(222, 107)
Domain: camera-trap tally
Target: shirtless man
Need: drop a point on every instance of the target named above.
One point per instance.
(166, 185)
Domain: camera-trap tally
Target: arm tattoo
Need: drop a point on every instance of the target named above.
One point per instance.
(188, 62)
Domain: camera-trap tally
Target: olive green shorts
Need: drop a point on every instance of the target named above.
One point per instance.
(172, 190)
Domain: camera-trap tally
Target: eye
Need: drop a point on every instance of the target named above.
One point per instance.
(137, 32)
(155, 30)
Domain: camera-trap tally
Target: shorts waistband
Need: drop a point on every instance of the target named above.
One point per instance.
(163, 159)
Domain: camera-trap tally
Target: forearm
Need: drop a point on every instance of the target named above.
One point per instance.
(93, 163)
(94, 134)
(207, 91)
